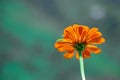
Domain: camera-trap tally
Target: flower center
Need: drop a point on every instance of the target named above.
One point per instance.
(79, 46)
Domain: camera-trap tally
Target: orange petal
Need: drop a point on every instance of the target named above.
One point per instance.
(70, 34)
(80, 30)
(63, 49)
(97, 40)
(69, 55)
(92, 31)
(77, 56)
(96, 35)
(84, 33)
(94, 49)
(62, 46)
(73, 32)
(86, 54)
(67, 40)
(76, 30)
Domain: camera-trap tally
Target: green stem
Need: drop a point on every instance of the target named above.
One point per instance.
(82, 66)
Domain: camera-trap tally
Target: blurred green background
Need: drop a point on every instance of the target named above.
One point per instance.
(29, 29)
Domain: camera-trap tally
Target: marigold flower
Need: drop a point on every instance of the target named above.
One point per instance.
(79, 38)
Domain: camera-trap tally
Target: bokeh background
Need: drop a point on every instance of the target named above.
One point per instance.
(29, 29)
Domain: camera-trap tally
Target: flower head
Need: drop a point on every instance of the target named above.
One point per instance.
(79, 38)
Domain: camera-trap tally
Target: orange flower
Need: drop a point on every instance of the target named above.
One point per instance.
(79, 38)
